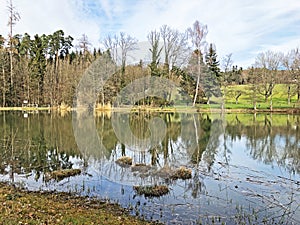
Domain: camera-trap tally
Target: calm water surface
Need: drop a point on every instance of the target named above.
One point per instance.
(245, 168)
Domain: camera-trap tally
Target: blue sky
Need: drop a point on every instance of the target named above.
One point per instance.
(243, 28)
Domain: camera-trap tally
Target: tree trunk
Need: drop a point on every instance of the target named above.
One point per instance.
(237, 98)
(102, 96)
(52, 94)
(298, 92)
(170, 89)
(38, 93)
(11, 53)
(4, 87)
(289, 94)
(198, 79)
(56, 72)
(266, 97)
(122, 81)
(11, 85)
(11, 61)
(28, 88)
(196, 91)
(224, 95)
(11, 66)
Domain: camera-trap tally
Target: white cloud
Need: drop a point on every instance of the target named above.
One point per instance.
(46, 17)
(243, 28)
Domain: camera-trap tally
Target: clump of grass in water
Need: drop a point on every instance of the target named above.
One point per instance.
(124, 161)
(182, 173)
(152, 191)
(61, 174)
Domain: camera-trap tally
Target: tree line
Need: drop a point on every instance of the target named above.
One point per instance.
(270, 68)
(46, 69)
(43, 71)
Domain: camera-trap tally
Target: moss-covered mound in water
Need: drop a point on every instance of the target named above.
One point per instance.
(182, 173)
(152, 191)
(124, 161)
(62, 174)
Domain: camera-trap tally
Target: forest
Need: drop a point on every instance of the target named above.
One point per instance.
(45, 69)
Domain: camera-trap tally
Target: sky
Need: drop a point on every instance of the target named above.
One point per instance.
(241, 27)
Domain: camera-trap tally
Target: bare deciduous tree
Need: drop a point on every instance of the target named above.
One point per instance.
(126, 44)
(84, 43)
(111, 44)
(227, 62)
(174, 45)
(175, 49)
(268, 64)
(169, 37)
(197, 33)
(291, 62)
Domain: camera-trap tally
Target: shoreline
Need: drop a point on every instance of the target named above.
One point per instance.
(20, 206)
(156, 109)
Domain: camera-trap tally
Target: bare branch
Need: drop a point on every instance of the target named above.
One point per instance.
(227, 62)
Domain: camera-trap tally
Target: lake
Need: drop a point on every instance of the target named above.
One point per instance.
(244, 167)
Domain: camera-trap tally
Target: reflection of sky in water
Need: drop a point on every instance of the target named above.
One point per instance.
(218, 191)
(241, 157)
(222, 189)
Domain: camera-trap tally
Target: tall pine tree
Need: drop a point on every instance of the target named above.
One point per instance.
(210, 81)
(212, 62)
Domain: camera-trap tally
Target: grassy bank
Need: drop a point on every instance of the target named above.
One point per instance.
(244, 103)
(215, 108)
(24, 108)
(247, 97)
(19, 206)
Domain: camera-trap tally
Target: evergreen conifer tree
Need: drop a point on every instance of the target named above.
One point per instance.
(212, 74)
(212, 62)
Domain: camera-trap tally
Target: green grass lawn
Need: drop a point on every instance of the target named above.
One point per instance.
(245, 101)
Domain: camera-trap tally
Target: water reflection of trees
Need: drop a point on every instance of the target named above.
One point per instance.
(196, 140)
(37, 144)
(45, 142)
(185, 142)
(270, 139)
(186, 134)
